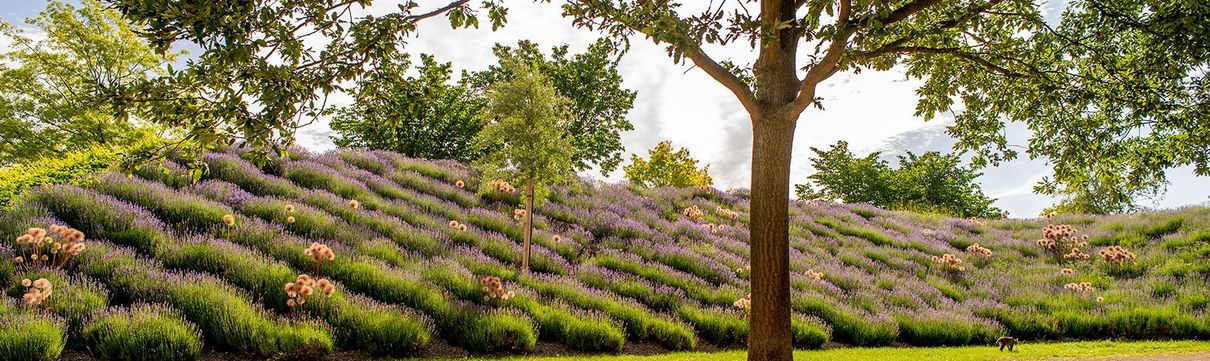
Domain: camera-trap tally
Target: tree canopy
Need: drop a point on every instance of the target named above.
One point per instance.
(928, 183)
(62, 91)
(665, 167)
(590, 80)
(423, 116)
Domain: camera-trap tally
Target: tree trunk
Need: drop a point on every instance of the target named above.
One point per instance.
(772, 143)
(529, 223)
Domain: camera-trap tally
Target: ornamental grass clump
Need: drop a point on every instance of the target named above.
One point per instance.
(143, 333)
(37, 248)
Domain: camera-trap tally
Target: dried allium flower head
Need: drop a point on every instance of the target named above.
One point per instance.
(19, 259)
(817, 276)
(1076, 255)
(453, 224)
(290, 219)
(289, 208)
(693, 212)
(711, 227)
(493, 289)
(37, 293)
(1066, 271)
(519, 214)
(1081, 287)
(36, 233)
(26, 282)
(354, 204)
(727, 213)
(1100, 299)
(950, 262)
(1116, 255)
(462, 227)
(229, 220)
(319, 252)
(744, 303)
(980, 251)
(502, 186)
(325, 286)
(556, 238)
(460, 184)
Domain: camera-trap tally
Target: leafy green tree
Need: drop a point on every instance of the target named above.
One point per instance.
(931, 182)
(1116, 88)
(592, 83)
(424, 116)
(64, 91)
(525, 138)
(666, 167)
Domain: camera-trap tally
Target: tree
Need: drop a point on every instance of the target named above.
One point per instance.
(1116, 89)
(424, 116)
(667, 168)
(931, 182)
(525, 138)
(61, 92)
(592, 83)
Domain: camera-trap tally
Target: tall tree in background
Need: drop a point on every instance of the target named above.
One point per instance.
(424, 116)
(64, 90)
(1115, 91)
(599, 103)
(525, 138)
(928, 183)
(666, 167)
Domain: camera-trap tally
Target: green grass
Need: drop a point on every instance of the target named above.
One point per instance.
(1025, 351)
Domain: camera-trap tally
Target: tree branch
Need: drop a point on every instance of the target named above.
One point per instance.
(438, 11)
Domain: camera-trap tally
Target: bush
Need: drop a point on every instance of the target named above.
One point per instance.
(73, 168)
(721, 326)
(102, 217)
(74, 298)
(25, 336)
(143, 332)
(809, 332)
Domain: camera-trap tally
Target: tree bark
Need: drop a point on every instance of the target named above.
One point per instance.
(772, 143)
(529, 223)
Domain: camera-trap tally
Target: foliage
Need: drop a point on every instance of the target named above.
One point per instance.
(667, 168)
(590, 81)
(29, 336)
(422, 116)
(71, 168)
(143, 332)
(526, 129)
(926, 183)
(68, 90)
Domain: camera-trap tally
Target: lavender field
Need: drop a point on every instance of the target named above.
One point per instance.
(404, 257)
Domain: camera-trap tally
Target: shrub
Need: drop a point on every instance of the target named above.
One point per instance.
(143, 332)
(25, 336)
(74, 298)
(73, 168)
(809, 332)
(102, 216)
(639, 322)
(721, 326)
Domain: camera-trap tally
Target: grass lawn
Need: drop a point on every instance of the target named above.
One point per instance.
(1027, 351)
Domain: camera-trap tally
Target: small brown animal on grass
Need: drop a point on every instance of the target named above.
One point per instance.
(1006, 342)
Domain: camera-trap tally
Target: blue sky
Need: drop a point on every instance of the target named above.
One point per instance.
(873, 111)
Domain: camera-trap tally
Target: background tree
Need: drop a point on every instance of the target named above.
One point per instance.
(62, 91)
(599, 103)
(928, 183)
(525, 138)
(666, 167)
(423, 116)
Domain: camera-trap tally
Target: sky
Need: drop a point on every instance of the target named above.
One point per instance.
(873, 111)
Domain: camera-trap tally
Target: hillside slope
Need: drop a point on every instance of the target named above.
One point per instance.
(615, 268)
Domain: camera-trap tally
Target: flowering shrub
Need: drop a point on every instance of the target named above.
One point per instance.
(493, 289)
(37, 242)
(980, 251)
(1116, 255)
(949, 262)
(36, 292)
